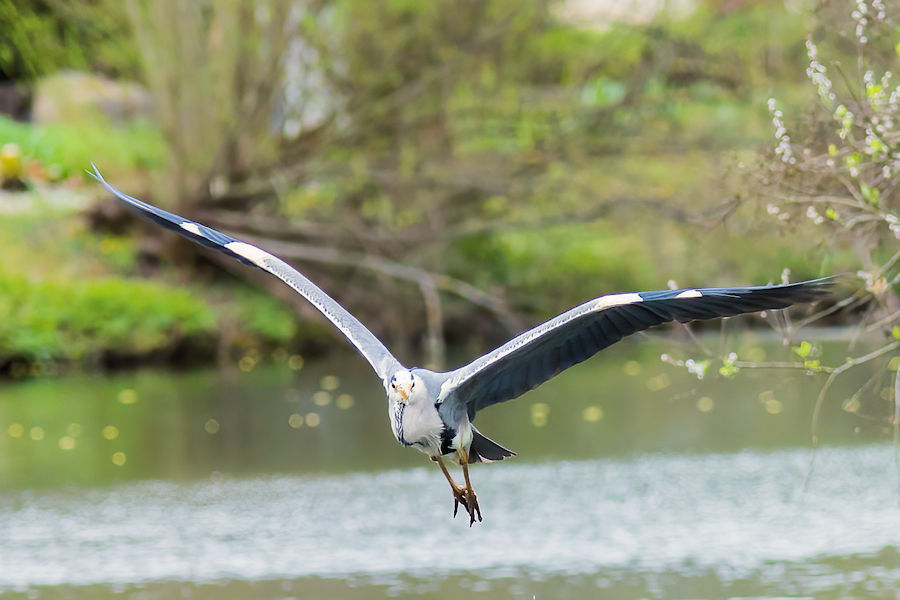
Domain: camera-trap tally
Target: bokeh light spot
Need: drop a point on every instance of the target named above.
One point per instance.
(345, 401)
(211, 426)
(119, 458)
(110, 432)
(705, 404)
(330, 383)
(539, 413)
(592, 414)
(632, 367)
(312, 419)
(66, 443)
(295, 362)
(128, 396)
(658, 382)
(295, 421)
(36, 433)
(16, 430)
(247, 363)
(322, 398)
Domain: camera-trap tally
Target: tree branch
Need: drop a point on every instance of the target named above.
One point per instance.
(393, 269)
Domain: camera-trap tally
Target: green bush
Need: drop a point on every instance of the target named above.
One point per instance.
(41, 37)
(72, 320)
(133, 145)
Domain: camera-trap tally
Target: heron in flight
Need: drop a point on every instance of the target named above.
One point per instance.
(433, 412)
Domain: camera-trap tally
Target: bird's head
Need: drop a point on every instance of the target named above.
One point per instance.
(402, 386)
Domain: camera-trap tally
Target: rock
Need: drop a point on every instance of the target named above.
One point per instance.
(73, 96)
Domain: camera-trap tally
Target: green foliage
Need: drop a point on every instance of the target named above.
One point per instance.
(485, 140)
(87, 301)
(42, 37)
(263, 316)
(72, 146)
(808, 352)
(744, 48)
(467, 116)
(72, 320)
(728, 368)
(553, 268)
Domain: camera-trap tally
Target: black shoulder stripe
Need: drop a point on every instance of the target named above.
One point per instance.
(447, 436)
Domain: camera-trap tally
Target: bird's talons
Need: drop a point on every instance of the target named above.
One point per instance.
(472, 506)
(459, 497)
(462, 495)
(467, 498)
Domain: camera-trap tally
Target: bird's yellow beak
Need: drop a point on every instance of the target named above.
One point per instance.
(403, 393)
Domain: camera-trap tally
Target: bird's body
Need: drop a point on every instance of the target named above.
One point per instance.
(415, 418)
(433, 412)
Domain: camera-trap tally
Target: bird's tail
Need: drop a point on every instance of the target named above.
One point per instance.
(486, 450)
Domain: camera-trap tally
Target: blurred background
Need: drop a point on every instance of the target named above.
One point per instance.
(174, 424)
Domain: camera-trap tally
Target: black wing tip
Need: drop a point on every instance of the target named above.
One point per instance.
(821, 288)
(197, 232)
(800, 291)
(131, 200)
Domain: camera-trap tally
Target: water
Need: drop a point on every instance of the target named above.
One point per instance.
(629, 485)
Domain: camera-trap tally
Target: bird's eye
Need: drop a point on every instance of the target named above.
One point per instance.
(394, 385)
(412, 385)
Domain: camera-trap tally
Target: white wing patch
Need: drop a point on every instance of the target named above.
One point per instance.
(346, 323)
(192, 227)
(689, 294)
(251, 253)
(604, 302)
(369, 346)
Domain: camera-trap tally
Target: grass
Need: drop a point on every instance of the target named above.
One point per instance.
(135, 145)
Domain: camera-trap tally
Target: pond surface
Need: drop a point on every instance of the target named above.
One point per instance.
(633, 479)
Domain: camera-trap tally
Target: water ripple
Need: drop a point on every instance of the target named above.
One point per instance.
(730, 513)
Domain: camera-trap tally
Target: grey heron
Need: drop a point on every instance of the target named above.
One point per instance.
(433, 411)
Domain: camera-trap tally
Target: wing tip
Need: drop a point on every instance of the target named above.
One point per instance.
(822, 287)
(95, 173)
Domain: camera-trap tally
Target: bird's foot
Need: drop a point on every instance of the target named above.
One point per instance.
(472, 506)
(467, 498)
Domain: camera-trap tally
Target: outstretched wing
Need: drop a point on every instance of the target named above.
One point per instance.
(382, 361)
(535, 356)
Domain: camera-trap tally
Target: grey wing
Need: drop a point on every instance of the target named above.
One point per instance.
(382, 361)
(538, 355)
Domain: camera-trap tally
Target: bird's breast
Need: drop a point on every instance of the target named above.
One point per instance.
(418, 424)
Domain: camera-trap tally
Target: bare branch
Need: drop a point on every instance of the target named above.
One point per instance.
(882, 322)
(834, 372)
(393, 269)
